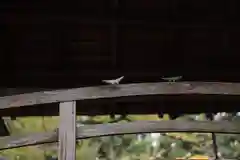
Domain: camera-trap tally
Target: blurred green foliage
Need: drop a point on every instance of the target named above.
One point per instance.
(124, 147)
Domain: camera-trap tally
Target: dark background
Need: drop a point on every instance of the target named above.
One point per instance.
(78, 43)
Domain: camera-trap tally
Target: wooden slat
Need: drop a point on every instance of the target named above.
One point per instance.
(89, 131)
(125, 90)
(67, 131)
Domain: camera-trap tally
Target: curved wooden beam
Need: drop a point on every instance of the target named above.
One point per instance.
(89, 131)
(124, 90)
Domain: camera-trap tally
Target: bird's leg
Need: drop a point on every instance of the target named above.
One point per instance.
(170, 81)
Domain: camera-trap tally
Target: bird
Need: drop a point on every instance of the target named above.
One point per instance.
(172, 79)
(113, 81)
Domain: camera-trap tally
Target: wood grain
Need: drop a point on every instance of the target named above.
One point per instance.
(67, 131)
(124, 90)
(89, 131)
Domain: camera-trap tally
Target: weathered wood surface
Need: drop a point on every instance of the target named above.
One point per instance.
(88, 131)
(124, 90)
(67, 131)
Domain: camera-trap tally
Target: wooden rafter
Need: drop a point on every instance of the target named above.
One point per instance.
(89, 131)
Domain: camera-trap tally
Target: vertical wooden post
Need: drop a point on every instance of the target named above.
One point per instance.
(67, 131)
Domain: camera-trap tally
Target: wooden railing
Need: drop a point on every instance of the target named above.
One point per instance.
(67, 133)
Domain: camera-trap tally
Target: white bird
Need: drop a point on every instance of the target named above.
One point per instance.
(113, 81)
(172, 79)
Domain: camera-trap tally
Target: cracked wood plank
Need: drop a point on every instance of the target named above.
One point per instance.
(89, 131)
(124, 90)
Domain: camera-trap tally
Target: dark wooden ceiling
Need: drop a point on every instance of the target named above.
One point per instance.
(80, 42)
